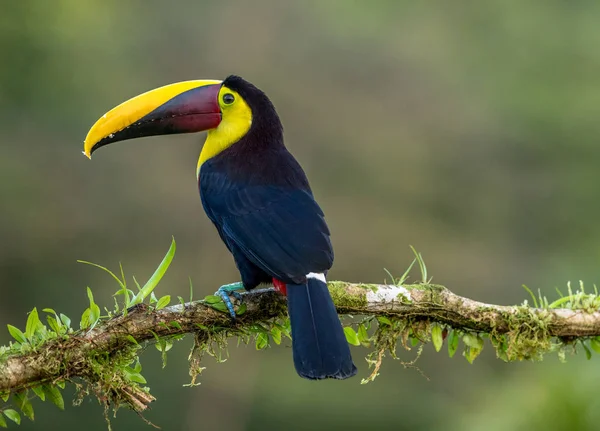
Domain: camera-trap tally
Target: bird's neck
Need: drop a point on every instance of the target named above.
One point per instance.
(244, 141)
(228, 132)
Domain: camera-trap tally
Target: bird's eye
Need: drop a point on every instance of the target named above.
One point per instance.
(228, 99)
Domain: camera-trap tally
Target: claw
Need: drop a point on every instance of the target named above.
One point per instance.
(224, 291)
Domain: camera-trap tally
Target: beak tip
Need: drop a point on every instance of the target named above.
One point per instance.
(87, 154)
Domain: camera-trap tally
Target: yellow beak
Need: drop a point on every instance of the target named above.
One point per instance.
(183, 107)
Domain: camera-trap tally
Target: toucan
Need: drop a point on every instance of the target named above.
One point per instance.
(257, 196)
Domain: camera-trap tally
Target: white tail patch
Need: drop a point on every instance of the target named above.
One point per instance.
(318, 275)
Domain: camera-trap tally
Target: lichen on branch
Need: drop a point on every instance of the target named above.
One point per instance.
(102, 356)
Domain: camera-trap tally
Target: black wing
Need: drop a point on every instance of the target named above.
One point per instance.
(280, 229)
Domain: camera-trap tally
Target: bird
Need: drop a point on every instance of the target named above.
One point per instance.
(259, 199)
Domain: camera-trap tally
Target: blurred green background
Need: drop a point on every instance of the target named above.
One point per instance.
(467, 129)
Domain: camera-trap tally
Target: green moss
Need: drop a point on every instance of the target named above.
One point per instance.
(527, 337)
(435, 291)
(347, 298)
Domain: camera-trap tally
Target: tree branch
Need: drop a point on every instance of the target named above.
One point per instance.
(99, 356)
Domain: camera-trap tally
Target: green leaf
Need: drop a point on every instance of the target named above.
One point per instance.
(471, 353)
(3, 421)
(473, 341)
(588, 353)
(422, 265)
(595, 344)
(220, 306)
(94, 315)
(404, 276)
(39, 391)
(241, 309)
(392, 278)
(60, 384)
(436, 337)
(85, 319)
(212, 299)
(163, 302)
(57, 323)
(54, 325)
(5, 395)
(176, 324)
(90, 296)
(287, 325)
(452, 343)
(13, 415)
(363, 336)
(384, 321)
(351, 336)
(121, 283)
(125, 292)
(54, 396)
(163, 346)
(65, 320)
(138, 378)
(24, 404)
(135, 377)
(17, 334)
(474, 345)
(262, 340)
(157, 276)
(33, 324)
(276, 335)
(284, 330)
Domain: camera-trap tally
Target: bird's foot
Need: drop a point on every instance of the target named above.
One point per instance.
(224, 291)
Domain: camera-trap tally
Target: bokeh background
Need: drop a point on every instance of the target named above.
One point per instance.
(467, 129)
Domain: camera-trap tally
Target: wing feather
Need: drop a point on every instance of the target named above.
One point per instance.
(280, 229)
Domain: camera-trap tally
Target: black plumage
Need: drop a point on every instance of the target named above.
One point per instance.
(260, 201)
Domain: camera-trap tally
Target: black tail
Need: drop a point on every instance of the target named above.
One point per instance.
(318, 340)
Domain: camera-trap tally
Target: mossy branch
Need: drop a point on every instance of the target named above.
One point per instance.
(527, 331)
(102, 358)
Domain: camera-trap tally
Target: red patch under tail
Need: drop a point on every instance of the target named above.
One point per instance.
(280, 286)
